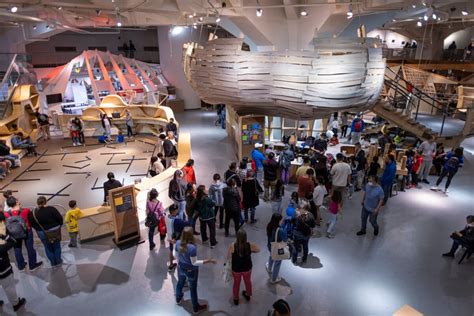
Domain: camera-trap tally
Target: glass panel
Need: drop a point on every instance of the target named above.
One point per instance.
(266, 121)
(276, 134)
(305, 123)
(289, 123)
(318, 125)
(276, 121)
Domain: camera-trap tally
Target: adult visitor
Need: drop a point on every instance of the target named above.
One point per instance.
(231, 173)
(106, 125)
(344, 124)
(250, 193)
(341, 175)
(258, 158)
(170, 150)
(125, 49)
(19, 228)
(301, 171)
(172, 127)
(357, 127)
(372, 202)
(129, 123)
(110, 184)
(156, 166)
(306, 183)
(286, 157)
(361, 161)
(388, 177)
(428, 151)
(274, 233)
(188, 268)
(159, 145)
(231, 206)
(439, 159)
(305, 222)
(189, 171)
(42, 121)
(321, 144)
(177, 192)
(277, 197)
(453, 161)
(240, 254)
(204, 208)
(20, 142)
(47, 222)
(270, 174)
(215, 192)
(190, 198)
(7, 282)
(154, 212)
(463, 237)
(132, 49)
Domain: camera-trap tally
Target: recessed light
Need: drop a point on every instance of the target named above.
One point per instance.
(60, 8)
(419, 23)
(425, 17)
(464, 12)
(434, 16)
(201, 19)
(119, 24)
(190, 16)
(218, 19)
(259, 12)
(393, 20)
(413, 6)
(13, 9)
(304, 12)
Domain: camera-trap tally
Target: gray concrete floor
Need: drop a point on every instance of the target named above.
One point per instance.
(451, 126)
(348, 275)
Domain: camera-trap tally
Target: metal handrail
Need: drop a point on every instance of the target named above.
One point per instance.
(9, 70)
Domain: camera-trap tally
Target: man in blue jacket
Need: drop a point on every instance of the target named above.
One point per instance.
(357, 127)
(388, 177)
(258, 157)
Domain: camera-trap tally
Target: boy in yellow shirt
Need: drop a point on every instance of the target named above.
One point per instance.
(71, 222)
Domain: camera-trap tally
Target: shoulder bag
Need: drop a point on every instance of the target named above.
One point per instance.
(51, 236)
(151, 220)
(279, 249)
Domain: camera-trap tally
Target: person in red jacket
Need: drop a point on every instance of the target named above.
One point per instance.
(417, 161)
(189, 172)
(15, 209)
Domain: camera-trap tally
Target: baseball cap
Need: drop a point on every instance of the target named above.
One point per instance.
(258, 145)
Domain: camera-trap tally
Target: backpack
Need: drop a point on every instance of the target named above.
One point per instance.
(284, 161)
(358, 126)
(151, 220)
(288, 227)
(453, 162)
(16, 225)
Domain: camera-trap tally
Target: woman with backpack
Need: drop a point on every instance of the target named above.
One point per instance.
(177, 191)
(19, 228)
(204, 209)
(453, 161)
(240, 254)
(250, 192)
(154, 212)
(286, 157)
(7, 282)
(275, 233)
(302, 232)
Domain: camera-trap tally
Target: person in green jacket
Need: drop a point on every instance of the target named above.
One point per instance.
(204, 208)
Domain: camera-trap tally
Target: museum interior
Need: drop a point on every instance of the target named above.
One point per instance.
(149, 148)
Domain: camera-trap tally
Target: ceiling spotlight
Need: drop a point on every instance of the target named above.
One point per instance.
(419, 24)
(195, 26)
(201, 19)
(13, 9)
(60, 8)
(425, 17)
(349, 13)
(393, 20)
(434, 16)
(218, 19)
(176, 30)
(424, 4)
(304, 12)
(259, 12)
(190, 16)
(413, 6)
(119, 24)
(464, 12)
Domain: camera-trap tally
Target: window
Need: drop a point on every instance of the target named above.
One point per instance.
(151, 49)
(65, 48)
(101, 48)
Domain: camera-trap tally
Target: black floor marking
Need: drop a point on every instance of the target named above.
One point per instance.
(10, 190)
(25, 180)
(139, 175)
(58, 193)
(87, 173)
(75, 167)
(83, 145)
(65, 154)
(94, 186)
(145, 142)
(24, 171)
(119, 153)
(136, 159)
(84, 160)
(33, 170)
(42, 162)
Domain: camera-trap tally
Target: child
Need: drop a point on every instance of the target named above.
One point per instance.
(319, 193)
(293, 201)
(162, 159)
(410, 160)
(417, 161)
(311, 205)
(174, 227)
(335, 207)
(215, 193)
(277, 197)
(374, 167)
(334, 140)
(71, 223)
(288, 222)
(353, 165)
(189, 172)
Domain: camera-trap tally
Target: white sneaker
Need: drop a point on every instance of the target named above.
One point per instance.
(74, 144)
(268, 268)
(435, 188)
(446, 191)
(79, 144)
(278, 279)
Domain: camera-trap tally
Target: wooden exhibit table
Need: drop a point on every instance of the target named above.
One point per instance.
(95, 222)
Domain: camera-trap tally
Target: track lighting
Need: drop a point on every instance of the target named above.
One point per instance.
(464, 12)
(259, 12)
(419, 24)
(14, 9)
(304, 12)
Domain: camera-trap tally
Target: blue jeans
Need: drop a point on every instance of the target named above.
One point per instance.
(276, 206)
(192, 276)
(252, 213)
(151, 234)
(300, 240)
(52, 250)
(386, 187)
(274, 267)
(181, 209)
(30, 250)
(372, 219)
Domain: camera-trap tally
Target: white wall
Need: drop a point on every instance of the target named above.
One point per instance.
(389, 36)
(462, 38)
(171, 61)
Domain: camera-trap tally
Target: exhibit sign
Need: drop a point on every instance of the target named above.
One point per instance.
(124, 213)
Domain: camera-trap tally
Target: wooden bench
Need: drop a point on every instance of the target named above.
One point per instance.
(20, 152)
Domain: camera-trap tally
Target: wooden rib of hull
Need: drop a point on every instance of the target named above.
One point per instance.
(305, 84)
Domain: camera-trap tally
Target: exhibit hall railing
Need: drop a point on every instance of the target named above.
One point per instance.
(405, 98)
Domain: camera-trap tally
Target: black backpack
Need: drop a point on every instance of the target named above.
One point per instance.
(16, 225)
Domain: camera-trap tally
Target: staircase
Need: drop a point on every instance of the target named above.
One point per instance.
(417, 112)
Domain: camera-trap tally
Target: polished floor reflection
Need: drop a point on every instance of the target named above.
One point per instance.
(345, 276)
